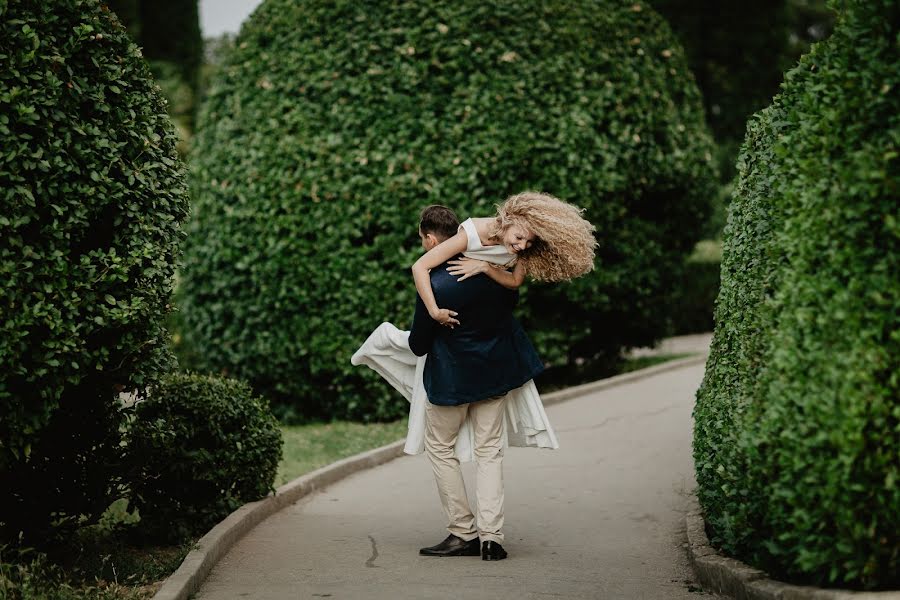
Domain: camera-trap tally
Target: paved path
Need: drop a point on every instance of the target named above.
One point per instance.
(603, 517)
(682, 344)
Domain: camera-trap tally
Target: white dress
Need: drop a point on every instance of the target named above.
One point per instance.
(387, 352)
(498, 254)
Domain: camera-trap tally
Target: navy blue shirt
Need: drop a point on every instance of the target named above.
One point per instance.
(486, 355)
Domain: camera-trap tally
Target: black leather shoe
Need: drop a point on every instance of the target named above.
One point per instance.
(492, 551)
(452, 546)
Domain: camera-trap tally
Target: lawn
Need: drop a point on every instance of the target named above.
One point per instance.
(309, 447)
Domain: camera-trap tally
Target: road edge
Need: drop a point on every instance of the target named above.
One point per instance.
(195, 568)
(616, 380)
(724, 575)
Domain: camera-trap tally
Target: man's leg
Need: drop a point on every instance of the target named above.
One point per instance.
(487, 419)
(442, 425)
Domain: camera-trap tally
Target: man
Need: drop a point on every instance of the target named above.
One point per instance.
(468, 371)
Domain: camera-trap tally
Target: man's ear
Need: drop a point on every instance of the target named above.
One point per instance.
(431, 240)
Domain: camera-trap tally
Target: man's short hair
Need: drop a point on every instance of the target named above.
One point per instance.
(438, 220)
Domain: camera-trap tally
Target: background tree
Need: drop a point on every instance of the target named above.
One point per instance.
(738, 52)
(169, 33)
(129, 14)
(318, 146)
(810, 21)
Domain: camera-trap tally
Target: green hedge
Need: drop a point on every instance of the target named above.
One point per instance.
(199, 447)
(92, 200)
(318, 146)
(796, 438)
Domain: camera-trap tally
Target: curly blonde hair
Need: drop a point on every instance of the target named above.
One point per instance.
(564, 244)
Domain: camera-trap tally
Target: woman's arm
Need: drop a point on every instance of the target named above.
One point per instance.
(431, 259)
(508, 279)
(467, 267)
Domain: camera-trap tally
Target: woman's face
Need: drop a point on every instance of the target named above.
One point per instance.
(516, 238)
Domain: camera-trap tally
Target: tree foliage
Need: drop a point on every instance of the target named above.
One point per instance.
(171, 40)
(129, 15)
(738, 52)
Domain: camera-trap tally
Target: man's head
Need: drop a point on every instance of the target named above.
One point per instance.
(436, 224)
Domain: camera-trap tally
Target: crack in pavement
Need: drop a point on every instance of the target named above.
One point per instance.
(594, 426)
(371, 561)
(605, 422)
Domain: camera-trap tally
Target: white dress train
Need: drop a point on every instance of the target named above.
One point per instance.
(387, 352)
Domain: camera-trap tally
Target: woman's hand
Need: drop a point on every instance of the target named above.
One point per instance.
(445, 317)
(467, 267)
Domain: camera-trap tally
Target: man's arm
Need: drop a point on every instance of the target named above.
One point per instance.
(421, 334)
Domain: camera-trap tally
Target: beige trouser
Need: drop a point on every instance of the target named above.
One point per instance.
(442, 425)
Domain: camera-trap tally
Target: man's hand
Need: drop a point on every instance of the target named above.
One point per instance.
(467, 267)
(445, 317)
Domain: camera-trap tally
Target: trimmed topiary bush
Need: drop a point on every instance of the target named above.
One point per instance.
(92, 200)
(200, 447)
(319, 144)
(797, 421)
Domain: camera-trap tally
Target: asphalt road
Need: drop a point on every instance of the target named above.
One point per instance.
(602, 517)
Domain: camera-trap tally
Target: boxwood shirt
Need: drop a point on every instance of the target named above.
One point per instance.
(486, 355)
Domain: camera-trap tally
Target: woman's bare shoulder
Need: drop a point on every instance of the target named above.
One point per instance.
(483, 226)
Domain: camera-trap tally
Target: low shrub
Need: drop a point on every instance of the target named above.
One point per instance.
(199, 447)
